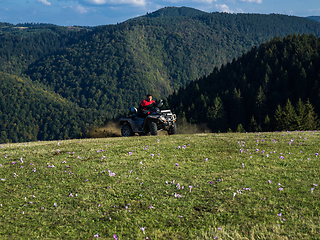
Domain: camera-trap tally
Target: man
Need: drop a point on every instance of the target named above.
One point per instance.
(146, 105)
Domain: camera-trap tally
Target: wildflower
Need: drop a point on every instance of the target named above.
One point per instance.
(150, 207)
(207, 159)
(142, 229)
(242, 165)
(179, 216)
(312, 190)
(152, 155)
(55, 204)
(280, 189)
(21, 160)
(97, 235)
(130, 153)
(177, 195)
(269, 181)
(279, 214)
(115, 237)
(190, 188)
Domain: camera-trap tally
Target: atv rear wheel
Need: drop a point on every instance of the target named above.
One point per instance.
(153, 128)
(126, 131)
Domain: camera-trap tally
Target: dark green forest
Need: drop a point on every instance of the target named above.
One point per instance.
(275, 86)
(57, 82)
(30, 113)
(114, 66)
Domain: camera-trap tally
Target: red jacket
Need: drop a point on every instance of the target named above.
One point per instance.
(144, 104)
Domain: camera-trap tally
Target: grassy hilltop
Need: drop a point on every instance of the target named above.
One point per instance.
(200, 186)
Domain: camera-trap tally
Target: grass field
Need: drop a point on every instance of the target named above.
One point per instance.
(190, 186)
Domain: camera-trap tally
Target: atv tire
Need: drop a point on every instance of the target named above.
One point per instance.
(126, 131)
(173, 129)
(153, 128)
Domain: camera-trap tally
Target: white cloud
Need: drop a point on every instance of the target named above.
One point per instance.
(205, 1)
(81, 9)
(132, 2)
(44, 2)
(224, 8)
(252, 1)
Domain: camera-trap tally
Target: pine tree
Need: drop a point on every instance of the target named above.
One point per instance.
(311, 117)
(253, 126)
(301, 115)
(217, 116)
(289, 117)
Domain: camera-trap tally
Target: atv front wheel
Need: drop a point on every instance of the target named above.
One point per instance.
(153, 128)
(173, 130)
(126, 131)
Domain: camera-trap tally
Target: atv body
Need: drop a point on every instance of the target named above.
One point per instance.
(155, 121)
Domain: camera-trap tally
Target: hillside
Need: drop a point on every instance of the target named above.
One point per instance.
(29, 112)
(108, 68)
(274, 86)
(22, 44)
(315, 18)
(114, 66)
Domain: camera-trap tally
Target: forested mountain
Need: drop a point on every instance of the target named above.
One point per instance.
(315, 18)
(99, 72)
(114, 66)
(22, 44)
(275, 86)
(29, 113)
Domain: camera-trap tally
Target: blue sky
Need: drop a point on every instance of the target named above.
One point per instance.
(103, 12)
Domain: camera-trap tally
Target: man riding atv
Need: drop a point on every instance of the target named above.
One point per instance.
(145, 106)
(149, 119)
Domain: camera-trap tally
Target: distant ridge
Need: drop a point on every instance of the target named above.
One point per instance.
(172, 12)
(315, 18)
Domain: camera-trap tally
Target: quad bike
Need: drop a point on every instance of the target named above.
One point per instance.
(155, 121)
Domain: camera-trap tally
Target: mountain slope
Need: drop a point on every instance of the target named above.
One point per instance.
(113, 67)
(278, 78)
(29, 113)
(22, 44)
(315, 18)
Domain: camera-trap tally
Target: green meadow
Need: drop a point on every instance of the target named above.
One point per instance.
(188, 186)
